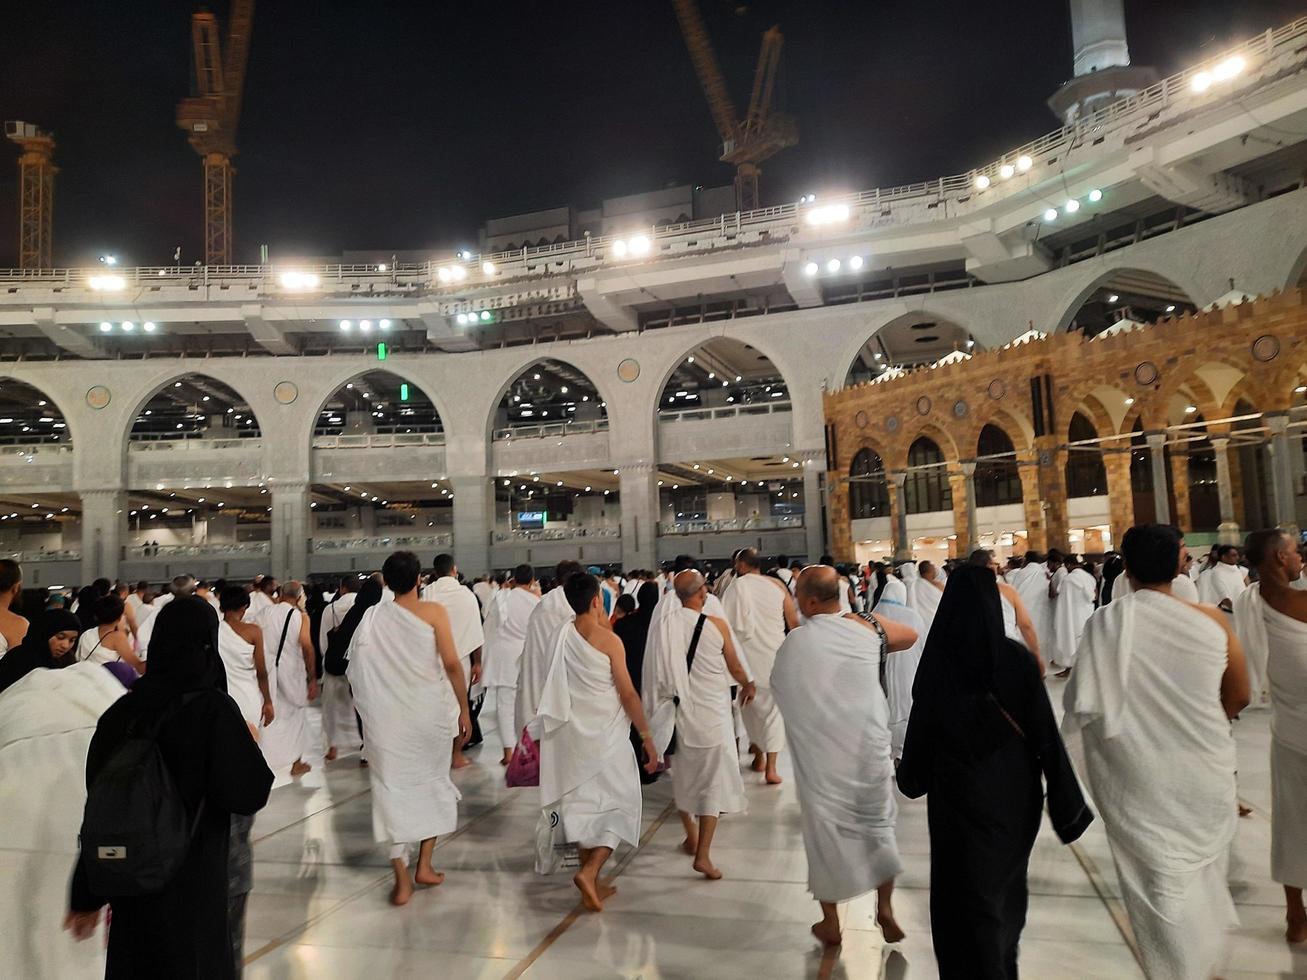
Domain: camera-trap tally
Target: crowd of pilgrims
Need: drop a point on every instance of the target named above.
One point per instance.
(886, 681)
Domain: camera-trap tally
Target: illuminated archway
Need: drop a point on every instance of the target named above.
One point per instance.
(194, 406)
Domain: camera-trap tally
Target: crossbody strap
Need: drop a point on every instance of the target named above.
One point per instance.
(884, 648)
(694, 641)
(284, 630)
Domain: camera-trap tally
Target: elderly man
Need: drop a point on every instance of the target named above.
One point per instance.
(292, 677)
(1270, 617)
(182, 585)
(465, 620)
(760, 610)
(690, 664)
(926, 592)
(842, 758)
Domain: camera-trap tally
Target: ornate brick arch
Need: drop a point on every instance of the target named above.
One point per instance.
(931, 431)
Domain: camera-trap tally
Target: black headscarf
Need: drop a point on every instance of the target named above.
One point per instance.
(183, 652)
(341, 637)
(955, 680)
(34, 652)
(633, 631)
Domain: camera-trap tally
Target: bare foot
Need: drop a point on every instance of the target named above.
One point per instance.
(589, 892)
(889, 927)
(827, 933)
(460, 762)
(690, 846)
(299, 768)
(606, 891)
(402, 892)
(331, 755)
(1296, 931)
(363, 763)
(773, 779)
(426, 876)
(758, 763)
(707, 869)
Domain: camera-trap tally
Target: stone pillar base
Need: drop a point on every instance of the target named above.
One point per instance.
(1227, 532)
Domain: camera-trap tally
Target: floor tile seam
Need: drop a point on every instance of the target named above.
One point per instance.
(381, 879)
(1114, 906)
(309, 816)
(570, 919)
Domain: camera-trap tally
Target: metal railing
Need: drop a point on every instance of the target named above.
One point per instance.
(556, 534)
(666, 528)
(1266, 55)
(62, 554)
(233, 550)
(382, 542)
(379, 440)
(724, 412)
(29, 449)
(546, 430)
(152, 443)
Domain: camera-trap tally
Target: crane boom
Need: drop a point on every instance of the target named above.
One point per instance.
(206, 53)
(36, 172)
(764, 79)
(240, 26)
(706, 67)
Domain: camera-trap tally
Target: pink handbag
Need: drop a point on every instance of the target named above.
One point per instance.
(524, 766)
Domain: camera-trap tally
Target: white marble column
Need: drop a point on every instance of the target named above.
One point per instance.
(969, 472)
(902, 549)
(290, 530)
(1228, 530)
(1157, 451)
(814, 526)
(638, 485)
(1282, 496)
(104, 520)
(474, 519)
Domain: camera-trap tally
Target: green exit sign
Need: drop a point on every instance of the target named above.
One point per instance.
(403, 392)
(381, 351)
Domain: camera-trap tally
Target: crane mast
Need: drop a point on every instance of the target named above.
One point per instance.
(36, 172)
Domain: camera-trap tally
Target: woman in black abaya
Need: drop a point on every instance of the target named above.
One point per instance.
(980, 736)
(633, 631)
(182, 931)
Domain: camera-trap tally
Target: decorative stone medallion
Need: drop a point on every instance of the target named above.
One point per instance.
(98, 397)
(1266, 348)
(1146, 372)
(892, 423)
(285, 392)
(960, 409)
(628, 370)
(923, 405)
(997, 389)
(861, 420)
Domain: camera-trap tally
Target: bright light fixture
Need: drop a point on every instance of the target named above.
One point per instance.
(296, 280)
(105, 327)
(639, 245)
(982, 182)
(462, 319)
(149, 327)
(1190, 409)
(855, 262)
(1095, 195)
(384, 324)
(810, 269)
(1024, 163)
(1072, 206)
(1201, 82)
(106, 284)
(365, 326)
(1228, 68)
(485, 316)
(828, 215)
(619, 249)
(1113, 298)
(1006, 171)
(458, 272)
(345, 326)
(833, 265)
(1300, 389)
(488, 268)
(1050, 214)
(128, 326)
(1170, 307)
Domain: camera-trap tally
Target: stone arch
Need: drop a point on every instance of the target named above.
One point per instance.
(709, 370)
(1297, 277)
(755, 339)
(527, 364)
(1092, 398)
(396, 368)
(152, 388)
(931, 431)
(997, 481)
(60, 429)
(1208, 383)
(887, 319)
(1181, 292)
(1085, 472)
(869, 497)
(927, 489)
(399, 376)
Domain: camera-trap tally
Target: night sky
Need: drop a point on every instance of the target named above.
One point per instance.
(398, 125)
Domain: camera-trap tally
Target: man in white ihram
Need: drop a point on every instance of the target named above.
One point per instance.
(760, 610)
(408, 684)
(505, 632)
(901, 668)
(538, 648)
(1156, 683)
(1270, 617)
(690, 664)
(338, 722)
(292, 679)
(465, 621)
(842, 762)
(926, 593)
(1224, 580)
(588, 771)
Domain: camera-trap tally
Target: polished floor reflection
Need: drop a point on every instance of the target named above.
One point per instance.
(320, 910)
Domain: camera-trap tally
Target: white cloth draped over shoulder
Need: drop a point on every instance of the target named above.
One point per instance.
(1072, 609)
(46, 723)
(505, 632)
(910, 575)
(587, 765)
(410, 717)
(464, 619)
(1220, 582)
(755, 609)
(925, 600)
(549, 614)
(842, 759)
(901, 666)
(333, 614)
(1160, 761)
(1250, 627)
(1031, 584)
(242, 677)
(706, 765)
(286, 739)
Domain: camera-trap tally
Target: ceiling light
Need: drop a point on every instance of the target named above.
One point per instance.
(103, 284)
(345, 325)
(833, 265)
(1095, 195)
(619, 249)
(105, 327)
(1072, 206)
(149, 327)
(295, 280)
(1024, 163)
(128, 326)
(810, 269)
(1190, 409)
(1050, 214)
(384, 324)
(855, 262)
(1006, 171)
(488, 268)
(828, 214)
(462, 319)
(639, 245)
(1170, 308)
(982, 182)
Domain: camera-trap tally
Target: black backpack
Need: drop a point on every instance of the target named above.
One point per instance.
(135, 829)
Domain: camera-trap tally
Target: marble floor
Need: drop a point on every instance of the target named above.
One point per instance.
(319, 907)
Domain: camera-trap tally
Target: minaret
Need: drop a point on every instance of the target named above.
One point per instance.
(1102, 61)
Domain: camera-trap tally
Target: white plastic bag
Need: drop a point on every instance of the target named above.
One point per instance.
(553, 852)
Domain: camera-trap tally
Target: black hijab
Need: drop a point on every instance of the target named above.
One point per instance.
(183, 652)
(633, 630)
(34, 652)
(341, 637)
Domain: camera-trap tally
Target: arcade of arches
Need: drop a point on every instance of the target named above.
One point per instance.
(1067, 440)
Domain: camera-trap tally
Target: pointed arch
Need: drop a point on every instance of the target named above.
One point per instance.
(187, 404)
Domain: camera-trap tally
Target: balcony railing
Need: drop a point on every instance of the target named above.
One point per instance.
(61, 554)
(1268, 56)
(724, 412)
(154, 442)
(239, 549)
(557, 534)
(28, 451)
(733, 524)
(547, 430)
(379, 440)
(396, 542)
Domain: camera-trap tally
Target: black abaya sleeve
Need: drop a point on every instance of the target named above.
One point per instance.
(239, 779)
(918, 760)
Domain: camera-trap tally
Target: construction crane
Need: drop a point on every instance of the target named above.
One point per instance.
(36, 172)
(761, 134)
(209, 117)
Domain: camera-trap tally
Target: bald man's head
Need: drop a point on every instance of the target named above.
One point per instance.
(687, 585)
(818, 590)
(747, 560)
